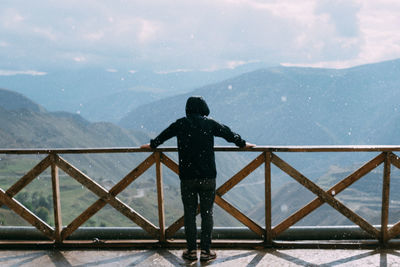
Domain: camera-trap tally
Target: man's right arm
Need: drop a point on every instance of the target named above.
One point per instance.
(168, 133)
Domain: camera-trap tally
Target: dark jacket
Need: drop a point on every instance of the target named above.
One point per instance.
(195, 134)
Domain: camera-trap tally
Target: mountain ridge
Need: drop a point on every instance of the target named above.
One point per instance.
(10, 100)
(24, 128)
(108, 94)
(303, 106)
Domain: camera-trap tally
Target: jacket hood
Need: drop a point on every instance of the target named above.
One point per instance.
(197, 105)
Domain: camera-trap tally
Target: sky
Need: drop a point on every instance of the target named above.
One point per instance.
(183, 35)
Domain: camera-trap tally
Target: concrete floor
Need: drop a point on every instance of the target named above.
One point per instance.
(230, 258)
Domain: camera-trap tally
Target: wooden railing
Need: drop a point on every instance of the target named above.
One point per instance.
(163, 233)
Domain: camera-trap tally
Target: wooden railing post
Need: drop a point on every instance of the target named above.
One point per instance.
(56, 200)
(268, 232)
(160, 196)
(385, 199)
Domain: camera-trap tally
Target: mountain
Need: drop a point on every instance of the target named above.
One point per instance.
(13, 101)
(273, 106)
(109, 94)
(302, 106)
(24, 124)
(295, 106)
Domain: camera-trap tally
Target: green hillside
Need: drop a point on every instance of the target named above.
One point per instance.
(30, 128)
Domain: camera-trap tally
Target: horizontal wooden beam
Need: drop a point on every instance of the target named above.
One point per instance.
(349, 148)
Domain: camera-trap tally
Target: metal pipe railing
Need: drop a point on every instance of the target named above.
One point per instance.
(294, 233)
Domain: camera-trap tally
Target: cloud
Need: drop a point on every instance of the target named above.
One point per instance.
(173, 71)
(342, 14)
(147, 32)
(46, 33)
(208, 34)
(79, 59)
(94, 36)
(379, 26)
(11, 17)
(376, 39)
(21, 72)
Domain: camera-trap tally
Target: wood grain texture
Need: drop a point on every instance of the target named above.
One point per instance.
(326, 197)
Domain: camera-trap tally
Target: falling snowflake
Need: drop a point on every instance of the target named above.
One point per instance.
(284, 208)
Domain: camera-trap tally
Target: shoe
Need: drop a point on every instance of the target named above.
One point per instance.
(207, 255)
(190, 255)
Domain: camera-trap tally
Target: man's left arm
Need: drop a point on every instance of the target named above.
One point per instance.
(225, 132)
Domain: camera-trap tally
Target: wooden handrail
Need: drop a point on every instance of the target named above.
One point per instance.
(266, 155)
(333, 148)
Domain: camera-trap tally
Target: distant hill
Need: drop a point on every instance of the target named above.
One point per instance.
(303, 106)
(296, 106)
(28, 126)
(25, 124)
(272, 106)
(10, 100)
(109, 94)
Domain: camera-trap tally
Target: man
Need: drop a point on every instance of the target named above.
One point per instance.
(197, 170)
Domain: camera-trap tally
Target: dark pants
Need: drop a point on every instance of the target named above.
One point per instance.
(190, 190)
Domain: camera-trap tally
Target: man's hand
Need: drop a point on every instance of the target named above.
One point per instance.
(249, 145)
(145, 146)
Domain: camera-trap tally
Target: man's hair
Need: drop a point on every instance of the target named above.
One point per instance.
(197, 105)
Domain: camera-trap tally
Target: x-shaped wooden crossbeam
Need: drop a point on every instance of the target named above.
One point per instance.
(7, 198)
(336, 189)
(107, 196)
(110, 197)
(234, 180)
(326, 196)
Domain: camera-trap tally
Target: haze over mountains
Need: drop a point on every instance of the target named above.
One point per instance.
(23, 121)
(109, 94)
(273, 105)
(304, 106)
(296, 106)
(25, 124)
(269, 106)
